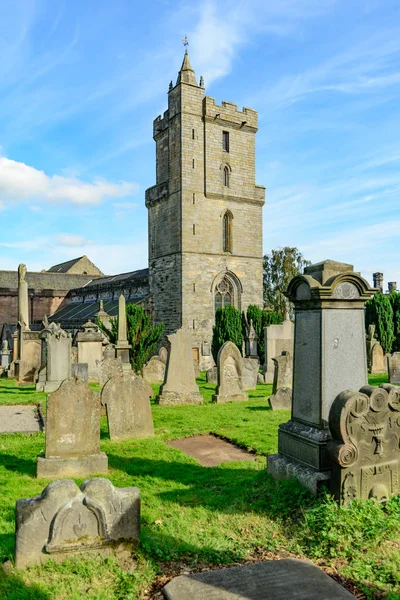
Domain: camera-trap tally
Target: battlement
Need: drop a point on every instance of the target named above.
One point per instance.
(160, 123)
(228, 113)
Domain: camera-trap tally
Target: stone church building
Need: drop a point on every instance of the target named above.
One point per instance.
(204, 224)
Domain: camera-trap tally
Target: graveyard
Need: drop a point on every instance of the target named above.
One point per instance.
(195, 517)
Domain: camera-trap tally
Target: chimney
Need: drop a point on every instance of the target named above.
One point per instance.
(378, 281)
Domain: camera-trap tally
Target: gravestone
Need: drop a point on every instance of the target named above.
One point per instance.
(65, 519)
(378, 359)
(283, 371)
(55, 358)
(370, 342)
(281, 399)
(365, 452)
(126, 398)
(163, 354)
(278, 338)
(251, 340)
(80, 370)
(394, 368)
(90, 347)
(74, 354)
(109, 351)
(5, 355)
(250, 373)
(29, 354)
(122, 346)
(154, 370)
(107, 368)
(329, 356)
(180, 385)
(212, 375)
(230, 370)
(285, 579)
(72, 433)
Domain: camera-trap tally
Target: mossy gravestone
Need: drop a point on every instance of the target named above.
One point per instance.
(72, 433)
(67, 519)
(126, 398)
(230, 375)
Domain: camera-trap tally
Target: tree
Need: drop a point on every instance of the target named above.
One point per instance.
(279, 268)
(227, 328)
(261, 319)
(379, 312)
(142, 335)
(394, 298)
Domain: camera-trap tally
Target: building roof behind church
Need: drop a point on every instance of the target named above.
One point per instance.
(77, 266)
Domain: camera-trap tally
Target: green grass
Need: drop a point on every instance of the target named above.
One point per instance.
(195, 517)
(11, 393)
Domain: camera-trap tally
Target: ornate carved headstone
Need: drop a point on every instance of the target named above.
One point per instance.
(154, 370)
(67, 519)
(126, 398)
(394, 368)
(180, 385)
(329, 356)
(230, 370)
(72, 433)
(365, 452)
(56, 358)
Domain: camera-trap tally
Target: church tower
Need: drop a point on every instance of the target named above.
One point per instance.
(205, 212)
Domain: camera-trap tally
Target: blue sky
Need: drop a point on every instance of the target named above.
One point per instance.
(81, 82)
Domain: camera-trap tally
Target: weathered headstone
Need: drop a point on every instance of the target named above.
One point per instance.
(127, 401)
(29, 354)
(329, 356)
(56, 358)
(107, 368)
(65, 519)
(285, 579)
(72, 433)
(250, 373)
(365, 452)
(154, 370)
(394, 368)
(80, 370)
(163, 354)
(251, 342)
(212, 375)
(90, 347)
(378, 359)
(5, 355)
(278, 338)
(230, 370)
(180, 385)
(281, 399)
(122, 346)
(283, 372)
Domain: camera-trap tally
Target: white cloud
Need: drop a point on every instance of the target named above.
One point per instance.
(66, 239)
(19, 181)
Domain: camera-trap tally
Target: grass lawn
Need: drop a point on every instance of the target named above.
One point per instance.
(196, 517)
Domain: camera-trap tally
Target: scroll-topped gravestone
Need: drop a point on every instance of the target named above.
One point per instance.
(180, 385)
(365, 452)
(329, 356)
(230, 369)
(394, 368)
(90, 347)
(126, 398)
(56, 358)
(154, 370)
(72, 433)
(67, 519)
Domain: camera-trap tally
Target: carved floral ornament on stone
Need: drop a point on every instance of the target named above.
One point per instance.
(365, 427)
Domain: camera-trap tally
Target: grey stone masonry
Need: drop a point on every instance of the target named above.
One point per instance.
(329, 356)
(65, 519)
(201, 210)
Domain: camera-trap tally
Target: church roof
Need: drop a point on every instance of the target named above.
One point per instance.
(186, 74)
(87, 267)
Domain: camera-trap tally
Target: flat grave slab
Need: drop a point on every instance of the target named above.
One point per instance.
(210, 450)
(286, 579)
(19, 418)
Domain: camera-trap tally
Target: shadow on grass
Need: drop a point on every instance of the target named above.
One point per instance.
(258, 407)
(228, 489)
(13, 587)
(20, 465)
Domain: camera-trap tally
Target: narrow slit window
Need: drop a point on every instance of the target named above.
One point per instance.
(192, 134)
(226, 177)
(227, 233)
(194, 198)
(194, 229)
(225, 141)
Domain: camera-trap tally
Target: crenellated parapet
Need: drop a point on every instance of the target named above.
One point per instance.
(160, 124)
(228, 115)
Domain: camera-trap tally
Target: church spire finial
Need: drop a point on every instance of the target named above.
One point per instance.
(185, 42)
(186, 74)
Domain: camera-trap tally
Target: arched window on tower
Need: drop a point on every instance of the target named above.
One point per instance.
(227, 232)
(224, 294)
(226, 176)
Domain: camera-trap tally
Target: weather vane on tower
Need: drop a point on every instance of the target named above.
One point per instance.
(185, 42)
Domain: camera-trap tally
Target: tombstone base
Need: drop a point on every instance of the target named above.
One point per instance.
(168, 398)
(232, 398)
(53, 468)
(282, 467)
